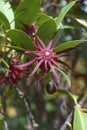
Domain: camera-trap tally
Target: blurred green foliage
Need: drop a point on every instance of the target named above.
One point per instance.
(49, 113)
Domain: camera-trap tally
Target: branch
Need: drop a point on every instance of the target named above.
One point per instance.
(81, 102)
(31, 122)
(4, 112)
(67, 120)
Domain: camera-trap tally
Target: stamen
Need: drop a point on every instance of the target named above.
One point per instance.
(47, 53)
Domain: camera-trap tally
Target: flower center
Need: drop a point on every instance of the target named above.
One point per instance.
(47, 53)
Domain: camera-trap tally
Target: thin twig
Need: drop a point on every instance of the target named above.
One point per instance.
(6, 124)
(31, 122)
(67, 120)
(81, 102)
(4, 113)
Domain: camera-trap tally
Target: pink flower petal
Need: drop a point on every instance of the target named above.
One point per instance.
(36, 68)
(46, 67)
(54, 73)
(41, 42)
(27, 64)
(33, 52)
(40, 77)
(63, 63)
(61, 68)
(49, 44)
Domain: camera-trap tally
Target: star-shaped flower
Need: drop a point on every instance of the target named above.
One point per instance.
(46, 59)
(13, 74)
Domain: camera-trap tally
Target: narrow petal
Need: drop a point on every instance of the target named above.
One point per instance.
(49, 44)
(63, 55)
(36, 68)
(40, 77)
(28, 52)
(46, 65)
(37, 47)
(33, 52)
(27, 64)
(10, 83)
(61, 68)
(41, 42)
(54, 73)
(13, 75)
(63, 63)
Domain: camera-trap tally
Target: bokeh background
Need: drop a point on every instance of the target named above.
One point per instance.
(50, 113)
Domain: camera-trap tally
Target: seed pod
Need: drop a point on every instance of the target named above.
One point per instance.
(50, 87)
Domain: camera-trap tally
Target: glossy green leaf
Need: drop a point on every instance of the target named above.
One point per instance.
(74, 97)
(63, 12)
(26, 11)
(80, 120)
(20, 39)
(4, 21)
(68, 45)
(47, 30)
(65, 75)
(62, 92)
(57, 36)
(1, 32)
(6, 9)
(13, 47)
(41, 17)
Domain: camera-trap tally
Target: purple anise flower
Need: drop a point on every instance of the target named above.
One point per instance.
(31, 30)
(46, 60)
(13, 74)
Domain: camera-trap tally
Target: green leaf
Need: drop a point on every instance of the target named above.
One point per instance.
(1, 33)
(41, 17)
(13, 47)
(62, 92)
(4, 21)
(26, 11)
(47, 30)
(6, 9)
(20, 38)
(57, 36)
(68, 45)
(66, 76)
(63, 12)
(80, 120)
(74, 97)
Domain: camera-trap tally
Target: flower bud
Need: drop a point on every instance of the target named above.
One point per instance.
(50, 87)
